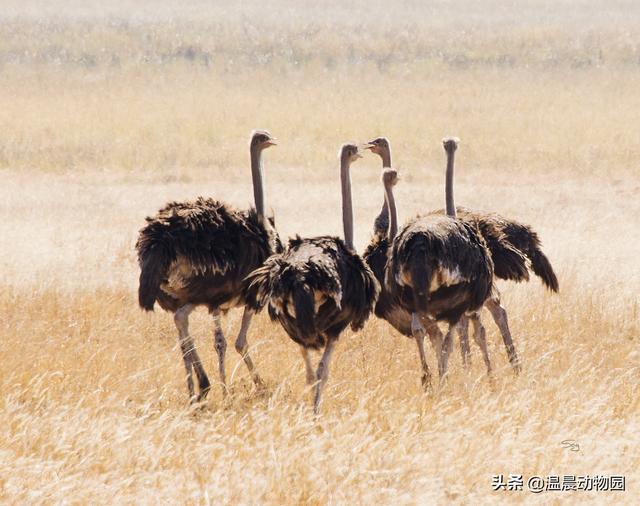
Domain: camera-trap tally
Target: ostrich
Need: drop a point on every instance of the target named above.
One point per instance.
(499, 233)
(502, 235)
(197, 253)
(318, 286)
(438, 268)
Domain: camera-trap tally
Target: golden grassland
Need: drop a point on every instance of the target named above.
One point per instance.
(99, 128)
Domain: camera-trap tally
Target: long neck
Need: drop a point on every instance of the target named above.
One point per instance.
(381, 224)
(386, 158)
(382, 221)
(256, 175)
(451, 208)
(393, 214)
(347, 209)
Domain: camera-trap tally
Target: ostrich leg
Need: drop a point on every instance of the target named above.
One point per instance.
(311, 377)
(447, 347)
(323, 371)
(480, 337)
(499, 314)
(463, 332)
(418, 332)
(190, 355)
(220, 344)
(243, 348)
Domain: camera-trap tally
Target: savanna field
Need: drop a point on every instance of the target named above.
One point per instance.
(107, 112)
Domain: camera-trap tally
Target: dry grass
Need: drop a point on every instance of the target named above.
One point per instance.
(93, 402)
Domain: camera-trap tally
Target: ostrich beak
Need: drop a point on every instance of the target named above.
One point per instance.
(369, 145)
(272, 142)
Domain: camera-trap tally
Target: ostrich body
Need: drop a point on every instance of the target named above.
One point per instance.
(317, 287)
(438, 268)
(502, 236)
(197, 253)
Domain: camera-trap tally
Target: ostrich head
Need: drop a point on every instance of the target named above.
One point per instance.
(390, 177)
(261, 139)
(450, 144)
(378, 145)
(349, 153)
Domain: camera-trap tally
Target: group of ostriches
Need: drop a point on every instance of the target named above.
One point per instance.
(438, 267)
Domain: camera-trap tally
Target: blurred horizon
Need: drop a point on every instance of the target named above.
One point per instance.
(174, 88)
(458, 34)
